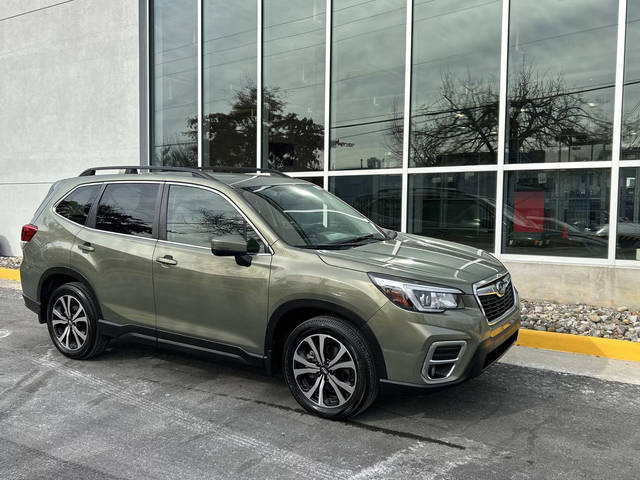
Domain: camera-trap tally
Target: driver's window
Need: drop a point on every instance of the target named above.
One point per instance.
(195, 216)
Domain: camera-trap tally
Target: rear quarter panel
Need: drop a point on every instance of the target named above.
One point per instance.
(49, 248)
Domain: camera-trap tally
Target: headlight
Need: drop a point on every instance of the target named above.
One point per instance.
(417, 296)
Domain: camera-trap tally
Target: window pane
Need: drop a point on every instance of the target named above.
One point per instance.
(459, 207)
(315, 180)
(455, 82)
(367, 83)
(378, 197)
(128, 208)
(77, 204)
(175, 83)
(293, 85)
(628, 215)
(630, 149)
(196, 216)
(229, 57)
(562, 63)
(556, 212)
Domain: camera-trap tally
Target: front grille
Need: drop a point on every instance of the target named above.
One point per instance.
(493, 304)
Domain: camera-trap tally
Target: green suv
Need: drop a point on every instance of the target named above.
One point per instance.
(272, 271)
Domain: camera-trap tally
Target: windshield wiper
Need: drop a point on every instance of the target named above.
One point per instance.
(357, 240)
(350, 242)
(329, 246)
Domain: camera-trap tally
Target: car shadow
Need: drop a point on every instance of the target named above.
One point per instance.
(500, 391)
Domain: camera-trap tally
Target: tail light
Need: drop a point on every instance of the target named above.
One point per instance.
(28, 231)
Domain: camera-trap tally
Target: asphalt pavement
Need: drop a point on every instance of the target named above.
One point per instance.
(137, 412)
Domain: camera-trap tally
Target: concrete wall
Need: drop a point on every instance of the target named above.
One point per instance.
(69, 97)
(595, 285)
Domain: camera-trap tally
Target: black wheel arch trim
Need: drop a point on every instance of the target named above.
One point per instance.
(329, 307)
(70, 272)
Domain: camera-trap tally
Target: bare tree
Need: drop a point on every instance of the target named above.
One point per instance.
(463, 124)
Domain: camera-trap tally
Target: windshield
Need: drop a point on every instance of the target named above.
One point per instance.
(307, 216)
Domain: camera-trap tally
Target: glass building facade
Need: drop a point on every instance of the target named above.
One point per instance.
(508, 125)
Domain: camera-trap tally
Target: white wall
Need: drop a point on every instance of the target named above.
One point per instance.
(594, 285)
(69, 97)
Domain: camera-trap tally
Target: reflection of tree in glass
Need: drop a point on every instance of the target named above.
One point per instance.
(631, 130)
(232, 136)
(176, 153)
(222, 223)
(544, 113)
(462, 126)
(114, 220)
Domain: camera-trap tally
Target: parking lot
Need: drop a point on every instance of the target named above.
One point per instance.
(138, 412)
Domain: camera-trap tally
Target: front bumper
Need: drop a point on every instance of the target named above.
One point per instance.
(406, 338)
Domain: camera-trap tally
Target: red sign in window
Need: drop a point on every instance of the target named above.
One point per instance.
(529, 212)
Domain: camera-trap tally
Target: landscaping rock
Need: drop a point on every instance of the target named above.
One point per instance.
(589, 320)
(10, 262)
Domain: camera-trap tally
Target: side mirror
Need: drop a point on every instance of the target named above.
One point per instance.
(231, 246)
(228, 246)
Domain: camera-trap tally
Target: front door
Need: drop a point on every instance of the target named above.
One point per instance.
(202, 299)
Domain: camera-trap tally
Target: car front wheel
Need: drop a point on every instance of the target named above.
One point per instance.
(329, 368)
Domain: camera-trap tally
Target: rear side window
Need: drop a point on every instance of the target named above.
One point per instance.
(195, 216)
(128, 208)
(77, 204)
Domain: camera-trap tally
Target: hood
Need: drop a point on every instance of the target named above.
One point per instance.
(419, 258)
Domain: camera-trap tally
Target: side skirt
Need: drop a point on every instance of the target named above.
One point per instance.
(176, 341)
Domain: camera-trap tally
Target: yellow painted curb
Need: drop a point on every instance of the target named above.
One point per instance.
(10, 274)
(564, 342)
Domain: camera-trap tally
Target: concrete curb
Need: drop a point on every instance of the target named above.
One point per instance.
(10, 274)
(565, 342)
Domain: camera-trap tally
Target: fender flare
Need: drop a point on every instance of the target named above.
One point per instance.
(330, 307)
(63, 271)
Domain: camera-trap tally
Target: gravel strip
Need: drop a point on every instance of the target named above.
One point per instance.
(579, 319)
(10, 262)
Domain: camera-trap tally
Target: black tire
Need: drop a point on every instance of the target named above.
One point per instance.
(77, 296)
(362, 379)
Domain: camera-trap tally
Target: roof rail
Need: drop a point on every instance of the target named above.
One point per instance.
(195, 171)
(244, 170)
(135, 169)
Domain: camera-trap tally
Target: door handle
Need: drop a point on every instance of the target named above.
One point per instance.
(167, 260)
(86, 247)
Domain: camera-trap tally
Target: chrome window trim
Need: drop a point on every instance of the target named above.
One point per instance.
(109, 182)
(226, 197)
(61, 199)
(160, 182)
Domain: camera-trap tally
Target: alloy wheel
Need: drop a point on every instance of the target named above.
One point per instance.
(69, 322)
(324, 370)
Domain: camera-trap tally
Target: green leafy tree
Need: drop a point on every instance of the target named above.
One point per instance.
(230, 138)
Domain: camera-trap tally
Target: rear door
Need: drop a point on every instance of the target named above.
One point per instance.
(204, 299)
(114, 252)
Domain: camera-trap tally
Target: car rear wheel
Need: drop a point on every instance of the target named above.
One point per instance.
(329, 368)
(72, 322)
